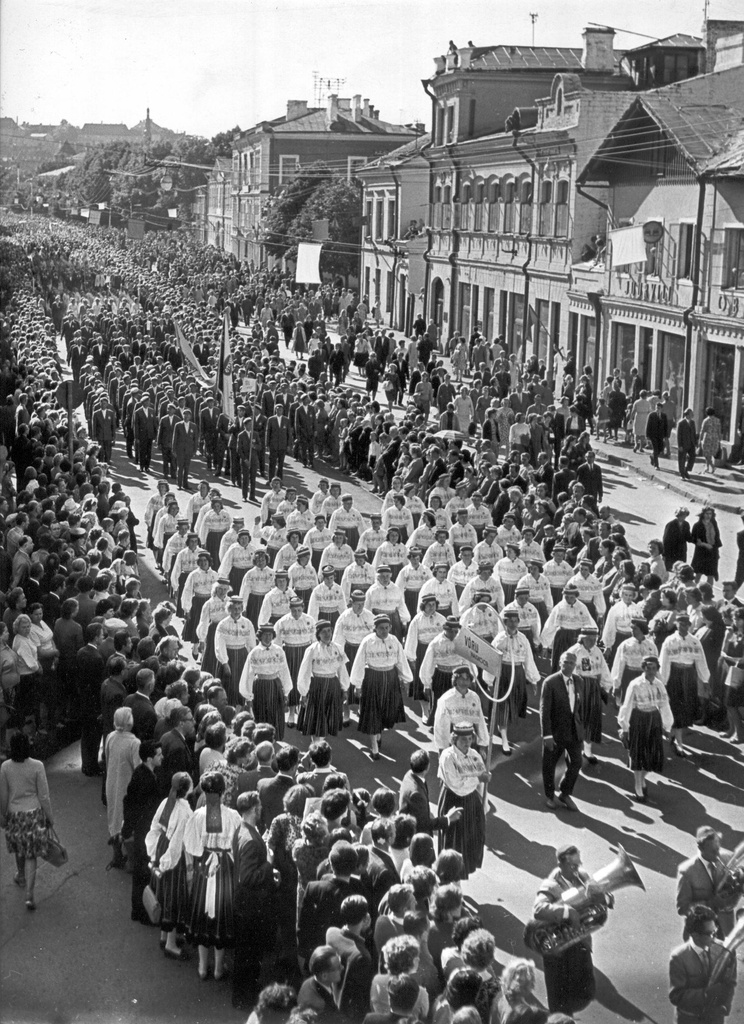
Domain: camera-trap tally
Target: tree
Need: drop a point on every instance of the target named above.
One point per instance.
(222, 143)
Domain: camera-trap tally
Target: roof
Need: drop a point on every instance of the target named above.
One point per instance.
(315, 121)
(680, 40)
(56, 173)
(91, 128)
(403, 153)
(531, 58)
(729, 161)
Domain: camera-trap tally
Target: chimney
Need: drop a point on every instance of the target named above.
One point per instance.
(344, 106)
(598, 54)
(724, 45)
(332, 109)
(365, 108)
(296, 108)
(466, 55)
(357, 106)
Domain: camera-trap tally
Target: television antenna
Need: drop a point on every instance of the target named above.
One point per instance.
(533, 18)
(324, 87)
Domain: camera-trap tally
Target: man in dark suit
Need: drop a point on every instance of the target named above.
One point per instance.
(166, 429)
(686, 444)
(356, 960)
(589, 475)
(317, 991)
(145, 431)
(145, 717)
(177, 747)
(184, 448)
(562, 732)
(690, 969)
(278, 436)
(103, 427)
(657, 431)
(208, 418)
(321, 903)
(677, 535)
(273, 790)
(90, 672)
(414, 797)
(381, 871)
(248, 781)
(141, 800)
(403, 991)
(699, 877)
(254, 903)
(305, 431)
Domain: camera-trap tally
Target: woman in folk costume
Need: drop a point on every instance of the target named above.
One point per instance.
(213, 611)
(461, 771)
(265, 683)
(303, 578)
(426, 624)
(372, 538)
(238, 559)
(233, 639)
(642, 720)
(411, 579)
(184, 563)
(318, 539)
(164, 843)
(358, 576)
(154, 505)
(596, 685)
(197, 502)
(391, 552)
(561, 630)
(327, 600)
(386, 598)
(256, 584)
(339, 554)
(380, 670)
(294, 634)
(517, 669)
(322, 682)
(276, 603)
(213, 527)
(628, 661)
(351, 628)
(208, 839)
(165, 526)
(196, 592)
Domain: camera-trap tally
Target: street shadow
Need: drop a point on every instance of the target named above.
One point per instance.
(607, 995)
(507, 929)
(509, 845)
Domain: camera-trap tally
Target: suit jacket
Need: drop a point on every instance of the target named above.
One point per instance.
(184, 440)
(356, 982)
(320, 908)
(90, 671)
(145, 424)
(176, 758)
(686, 435)
(255, 891)
(141, 800)
(382, 874)
(278, 434)
(305, 421)
(272, 792)
(313, 996)
(103, 425)
(248, 781)
(145, 717)
(688, 978)
(414, 800)
(166, 430)
(695, 885)
(556, 719)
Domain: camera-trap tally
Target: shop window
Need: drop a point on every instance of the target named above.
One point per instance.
(733, 265)
(720, 393)
(670, 371)
(623, 352)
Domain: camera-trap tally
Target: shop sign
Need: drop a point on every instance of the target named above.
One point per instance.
(731, 305)
(649, 291)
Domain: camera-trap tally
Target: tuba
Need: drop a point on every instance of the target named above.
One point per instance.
(731, 885)
(727, 962)
(552, 939)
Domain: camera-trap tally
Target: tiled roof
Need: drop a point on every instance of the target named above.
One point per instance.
(729, 161)
(680, 40)
(91, 128)
(315, 121)
(402, 153)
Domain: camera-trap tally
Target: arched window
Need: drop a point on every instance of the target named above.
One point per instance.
(507, 213)
(478, 203)
(466, 195)
(544, 211)
(525, 208)
(492, 200)
(447, 207)
(561, 209)
(559, 102)
(437, 204)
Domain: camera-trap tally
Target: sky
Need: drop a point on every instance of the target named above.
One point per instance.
(203, 66)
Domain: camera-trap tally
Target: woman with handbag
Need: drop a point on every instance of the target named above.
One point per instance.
(170, 864)
(732, 660)
(25, 812)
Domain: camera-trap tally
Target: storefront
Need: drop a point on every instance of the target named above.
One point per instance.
(720, 362)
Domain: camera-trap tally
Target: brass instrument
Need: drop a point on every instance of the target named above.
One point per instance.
(732, 884)
(731, 943)
(552, 939)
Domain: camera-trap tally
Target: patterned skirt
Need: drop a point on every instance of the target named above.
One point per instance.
(352, 537)
(209, 661)
(236, 659)
(172, 891)
(563, 639)
(213, 871)
(189, 630)
(26, 833)
(515, 706)
(509, 591)
(683, 694)
(468, 835)
(591, 708)
(645, 742)
(294, 654)
(380, 702)
(268, 703)
(322, 713)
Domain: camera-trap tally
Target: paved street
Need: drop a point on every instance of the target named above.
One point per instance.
(80, 958)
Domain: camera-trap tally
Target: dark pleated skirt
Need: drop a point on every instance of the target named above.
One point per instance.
(179, 593)
(395, 569)
(316, 558)
(350, 650)
(591, 708)
(294, 654)
(172, 891)
(629, 674)
(589, 605)
(236, 578)
(304, 596)
(214, 539)
(542, 611)
(161, 551)
(415, 687)
(445, 610)
(253, 607)
(683, 695)
(468, 835)
(189, 630)
(612, 653)
(322, 714)
(236, 659)
(215, 931)
(380, 702)
(557, 594)
(441, 681)
(563, 639)
(271, 554)
(209, 661)
(411, 597)
(509, 591)
(515, 706)
(371, 552)
(352, 537)
(268, 703)
(645, 741)
(396, 626)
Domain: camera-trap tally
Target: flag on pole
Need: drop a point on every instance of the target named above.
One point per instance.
(188, 354)
(225, 372)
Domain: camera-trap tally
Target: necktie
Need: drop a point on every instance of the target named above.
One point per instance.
(705, 961)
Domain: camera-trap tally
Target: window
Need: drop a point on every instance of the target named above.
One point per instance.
(389, 288)
(437, 212)
(353, 163)
(492, 198)
(366, 282)
(392, 226)
(720, 389)
(684, 250)
(733, 266)
(451, 123)
(465, 197)
(379, 219)
(478, 195)
(368, 215)
(544, 209)
(561, 209)
(471, 117)
(623, 351)
(507, 198)
(288, 168)
(670, 370)
(378, 284)
(525, 208)
(439, 134)
(447, 208)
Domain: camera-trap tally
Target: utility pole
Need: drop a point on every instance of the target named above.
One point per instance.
(533, 18)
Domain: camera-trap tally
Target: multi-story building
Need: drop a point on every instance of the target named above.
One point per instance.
(395, 202)
(668, 295)
(219, 204)
(344, 135)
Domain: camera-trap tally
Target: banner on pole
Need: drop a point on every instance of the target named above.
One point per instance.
(188, 354)
(469, 645)
(628, 246)
(225, 373)
(308, 263)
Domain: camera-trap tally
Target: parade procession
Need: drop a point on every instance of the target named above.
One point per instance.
(357, 668)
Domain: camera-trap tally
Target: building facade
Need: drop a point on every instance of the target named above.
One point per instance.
(219, 204)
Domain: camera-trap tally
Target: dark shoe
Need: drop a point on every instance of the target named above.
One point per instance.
(550, 802)
(679, 751)
(640, 799)
(567, 801)
(176, 956)
(591, 759)
(30, 905)
(373, 756)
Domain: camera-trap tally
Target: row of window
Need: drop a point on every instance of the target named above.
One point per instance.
(380, 218)
(503, 206)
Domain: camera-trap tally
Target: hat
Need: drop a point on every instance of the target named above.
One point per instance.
(567, 850)
(76, 531)
(375, 515)
(303, 550)
(294, 531)
(381, 620)
(203, 553)
(588, 631)
(512, 544)
(265, 627)
(522, 588)
(587, 561)
(244, 533)
(571, 588)
(360, 553)
(559, 547)
(347, 497)
(339, 529)
(490, 528)
(393, 529)
(182, 521)
(528, 529)
(650, 657)
(357, 595)
(260, 551)
(279, 520)
(463, 729)
(510, 613)
(452, 621)
(426, 599)
(281, 574)
(705, 832)
(235, 599)
(382, 567)
(466, 547)
(322, 624)
(681, 616)
(462, 512)
(536, 561)
(223, 581)
(328, 570)
(441, 529)
(296, 602)
(415, 550)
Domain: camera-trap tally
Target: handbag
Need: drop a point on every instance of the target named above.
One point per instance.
(56, 854)
(152, 905)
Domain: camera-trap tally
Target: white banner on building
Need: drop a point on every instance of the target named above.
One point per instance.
(308, 263)
(628, 246)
